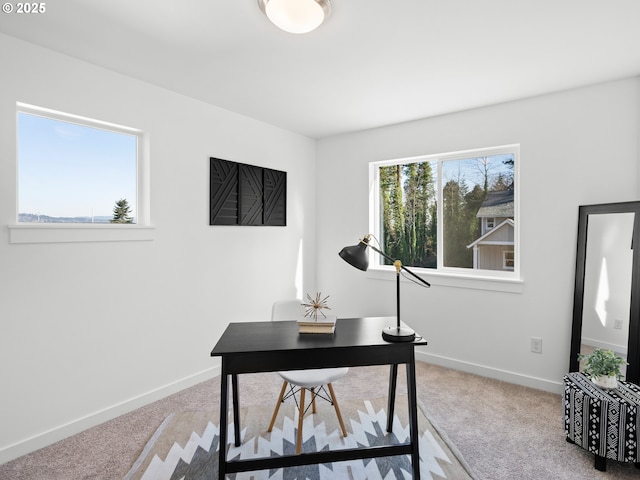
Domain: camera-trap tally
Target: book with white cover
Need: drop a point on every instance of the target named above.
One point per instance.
(315, 330)
(328, 321)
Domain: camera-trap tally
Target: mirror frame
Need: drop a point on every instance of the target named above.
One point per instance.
(633, 355)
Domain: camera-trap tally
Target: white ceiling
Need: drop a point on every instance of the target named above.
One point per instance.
(373, 63)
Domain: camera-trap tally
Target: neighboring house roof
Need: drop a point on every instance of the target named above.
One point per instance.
(492, 232)
(497, 204)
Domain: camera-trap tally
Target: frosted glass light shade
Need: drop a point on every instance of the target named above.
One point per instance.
(296, 16)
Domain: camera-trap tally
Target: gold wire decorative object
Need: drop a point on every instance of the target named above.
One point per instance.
(316, 306)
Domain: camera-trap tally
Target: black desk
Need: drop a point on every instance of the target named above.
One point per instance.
(272, 346)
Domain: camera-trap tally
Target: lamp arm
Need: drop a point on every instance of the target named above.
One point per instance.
(395, 262)
(416, 276)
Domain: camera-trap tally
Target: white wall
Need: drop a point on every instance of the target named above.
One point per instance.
(577, 147)
(90, 330)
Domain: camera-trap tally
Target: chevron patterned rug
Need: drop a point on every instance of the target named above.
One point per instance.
(185, 446)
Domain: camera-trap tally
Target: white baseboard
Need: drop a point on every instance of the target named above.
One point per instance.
(498, 374)
(619, 349)
(63, 431)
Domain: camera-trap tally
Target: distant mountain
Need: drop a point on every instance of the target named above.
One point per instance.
(35, 218)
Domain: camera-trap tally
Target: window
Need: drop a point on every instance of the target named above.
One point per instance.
(76, 173)
(454, 213)
(507, 260)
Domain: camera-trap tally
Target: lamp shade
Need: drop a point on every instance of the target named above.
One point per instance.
(356, 255)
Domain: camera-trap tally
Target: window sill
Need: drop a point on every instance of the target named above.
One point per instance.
(68, 233)
(458, 280)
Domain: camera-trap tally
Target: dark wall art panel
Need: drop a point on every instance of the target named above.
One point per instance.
(223, 192)
(243, 194)
(250, 195)
(275, 197)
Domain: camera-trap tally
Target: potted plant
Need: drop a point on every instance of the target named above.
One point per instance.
(603, 367)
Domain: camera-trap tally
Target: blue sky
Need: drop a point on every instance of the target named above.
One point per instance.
(470, 171)
(71, 170)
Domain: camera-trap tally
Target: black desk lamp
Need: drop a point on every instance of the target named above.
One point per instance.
(356, 255)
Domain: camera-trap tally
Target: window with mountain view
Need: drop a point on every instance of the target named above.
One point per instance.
(75, 170)
(452, 212)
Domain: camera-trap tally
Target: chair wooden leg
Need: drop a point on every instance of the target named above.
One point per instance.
(335, 405)
(300, 418)
(313, 400)
(278, 403)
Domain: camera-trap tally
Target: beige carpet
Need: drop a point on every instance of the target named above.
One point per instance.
(186, 444)
(504, 431)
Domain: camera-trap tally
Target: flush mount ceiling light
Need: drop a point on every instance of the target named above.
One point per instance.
(296, 16)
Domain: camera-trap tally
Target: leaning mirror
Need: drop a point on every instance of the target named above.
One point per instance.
(606, 313)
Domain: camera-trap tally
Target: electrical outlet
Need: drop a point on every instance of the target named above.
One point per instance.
(617, 324)
(536, 344)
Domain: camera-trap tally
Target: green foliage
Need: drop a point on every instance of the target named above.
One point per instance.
(408, 206)
(460, 224)
(419, 194)
(393, 210)
(602, 362)
(121, 212)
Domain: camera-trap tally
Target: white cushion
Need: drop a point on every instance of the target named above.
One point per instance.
(313, 377)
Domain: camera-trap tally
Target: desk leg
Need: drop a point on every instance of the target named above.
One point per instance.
(224, 393)
(413, 417)
(391, 398)
(236, 409)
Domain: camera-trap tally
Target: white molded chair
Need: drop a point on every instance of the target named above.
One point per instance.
(313, 380)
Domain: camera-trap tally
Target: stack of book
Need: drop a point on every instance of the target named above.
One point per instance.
(322, 325)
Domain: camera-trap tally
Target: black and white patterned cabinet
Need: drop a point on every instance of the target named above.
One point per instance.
(604, 422)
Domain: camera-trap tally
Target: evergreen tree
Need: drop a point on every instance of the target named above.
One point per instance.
(420, 195)
(411, 211)
(121, 212)
(502, 182)
(509, 180)
(473, 201)
(392, 211)
(408, 211)
(456, 228)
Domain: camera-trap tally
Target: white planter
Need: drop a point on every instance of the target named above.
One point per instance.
(606, 381)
